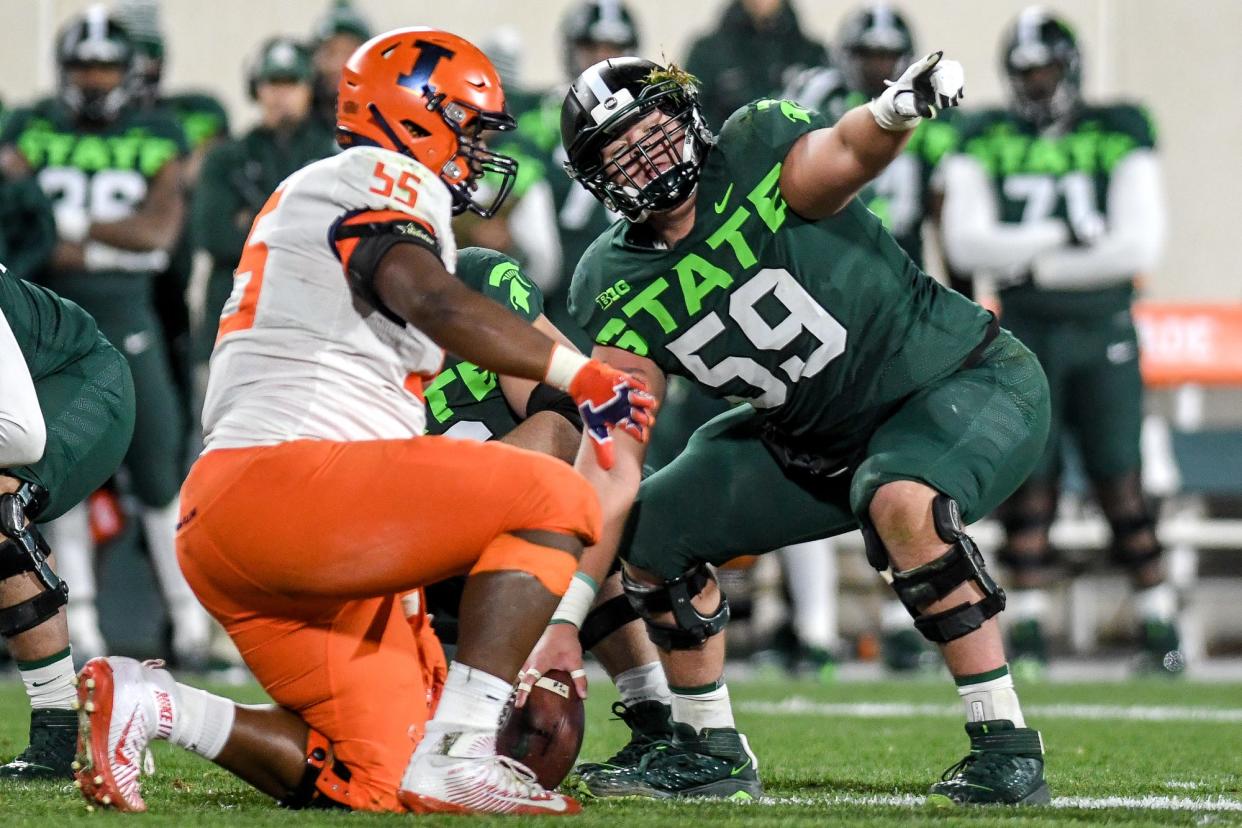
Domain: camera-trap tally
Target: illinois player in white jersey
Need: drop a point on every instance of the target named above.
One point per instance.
(317, 505)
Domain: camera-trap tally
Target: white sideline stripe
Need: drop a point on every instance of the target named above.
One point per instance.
(799, 705)
(1147, 803)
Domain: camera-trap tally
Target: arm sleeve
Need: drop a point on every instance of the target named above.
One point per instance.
(360, 241)
(974, 236)
(1135, 236)
(22, 432)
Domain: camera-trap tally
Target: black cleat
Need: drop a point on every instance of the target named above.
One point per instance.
(53, 740)
(1005, 766)
(649, 722)
(715, 763)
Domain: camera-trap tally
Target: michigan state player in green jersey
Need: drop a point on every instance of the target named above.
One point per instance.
(113, 173)
(876, 399)
(1060, 202)
(66, 417)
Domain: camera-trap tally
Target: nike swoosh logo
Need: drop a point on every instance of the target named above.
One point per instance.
(740, 768)
(724, 202)
(41, 683)
(118, 754)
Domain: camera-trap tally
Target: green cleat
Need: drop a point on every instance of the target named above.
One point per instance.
(715, 763)
(53, 740)
(1005, 766)
(649, 722)
(1162, 654)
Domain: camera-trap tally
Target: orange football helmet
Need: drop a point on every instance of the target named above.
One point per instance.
(430, 95)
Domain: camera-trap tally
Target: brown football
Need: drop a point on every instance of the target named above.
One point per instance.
(545, 734)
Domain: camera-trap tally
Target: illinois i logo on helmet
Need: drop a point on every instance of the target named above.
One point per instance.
(430, 95)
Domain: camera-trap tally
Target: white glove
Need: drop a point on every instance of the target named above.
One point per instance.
(72, 224)
(926, 87)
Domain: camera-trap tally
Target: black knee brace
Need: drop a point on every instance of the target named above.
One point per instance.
(605, 619)
(25, 550)
(690, 628)
(926, 584)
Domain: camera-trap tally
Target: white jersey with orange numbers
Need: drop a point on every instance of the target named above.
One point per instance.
(298, 355)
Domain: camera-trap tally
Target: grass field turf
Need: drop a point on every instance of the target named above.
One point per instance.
(860, 753)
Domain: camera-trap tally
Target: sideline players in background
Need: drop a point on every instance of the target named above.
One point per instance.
(1060, 203)
(206, 124)
(113, 173)
(239, 175)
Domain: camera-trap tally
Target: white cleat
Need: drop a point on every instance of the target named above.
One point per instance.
(122, 711)
(438, 782)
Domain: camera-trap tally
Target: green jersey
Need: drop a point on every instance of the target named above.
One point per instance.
(52, 332)
(464, 400)
(1040, 176)
(104, 172)
(824, 326)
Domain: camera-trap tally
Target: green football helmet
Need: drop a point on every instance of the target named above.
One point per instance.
(874, 44)
(1042, 60)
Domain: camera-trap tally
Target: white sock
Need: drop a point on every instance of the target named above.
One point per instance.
(201, 722)
(468, 715)
(700, 708)
(640, 684)
(811, 577)
(1026, 605)
(989, 696)
(472, 699)
(1156, 603)
(49, 681)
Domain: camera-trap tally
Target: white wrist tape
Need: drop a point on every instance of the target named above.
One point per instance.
(577, 600)
(563, 366)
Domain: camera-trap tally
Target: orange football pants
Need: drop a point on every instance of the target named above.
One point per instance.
(303, 550)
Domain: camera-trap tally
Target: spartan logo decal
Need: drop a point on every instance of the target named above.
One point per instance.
(429, 56)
